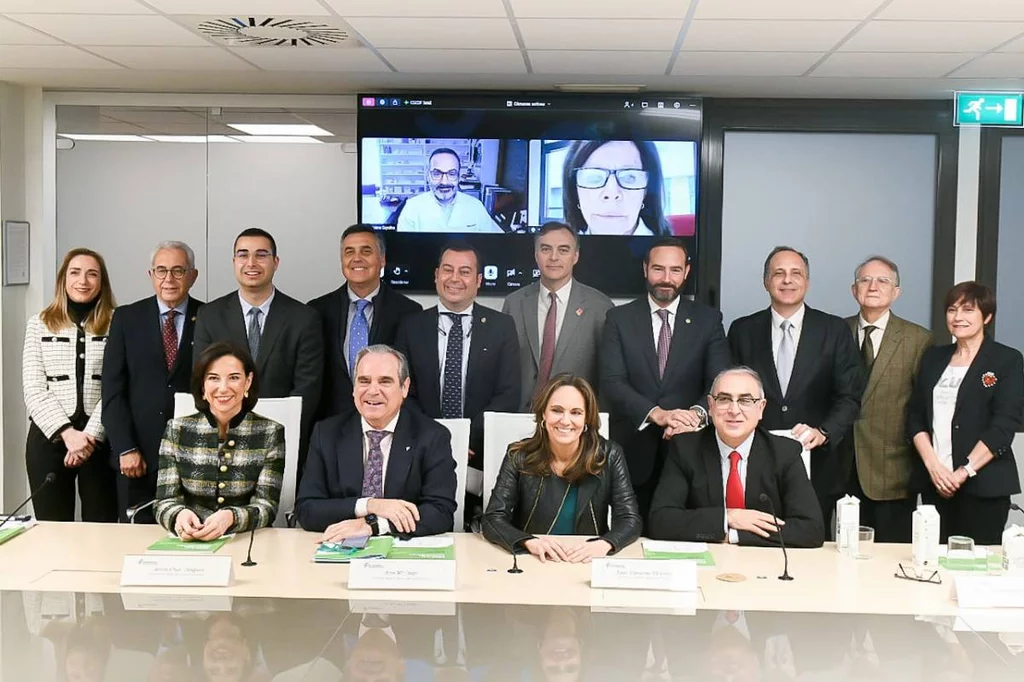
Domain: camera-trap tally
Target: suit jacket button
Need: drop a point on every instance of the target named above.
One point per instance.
(231, 443)
(956, 426)
(785, 408)
(223, 468)
(221, 485)
(220, 500)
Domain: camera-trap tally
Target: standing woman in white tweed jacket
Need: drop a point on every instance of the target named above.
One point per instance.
(61, 369)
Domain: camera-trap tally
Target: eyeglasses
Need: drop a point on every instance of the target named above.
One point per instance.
(260, 255)
(882, 281)
(932, 577)
(596, 178)
(176, 273)
(436, 174)
(745, 402)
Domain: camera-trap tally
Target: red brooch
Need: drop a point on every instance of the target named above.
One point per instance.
(988, 379)
(579, 312)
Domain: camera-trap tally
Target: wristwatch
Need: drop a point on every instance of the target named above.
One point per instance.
(971, 473)
(371, 520)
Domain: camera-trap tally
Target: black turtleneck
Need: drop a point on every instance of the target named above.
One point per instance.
(81, 311)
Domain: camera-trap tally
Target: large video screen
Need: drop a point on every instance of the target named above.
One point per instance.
(491, 169)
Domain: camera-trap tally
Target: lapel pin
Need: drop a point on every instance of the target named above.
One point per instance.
(193, 318)
(483, 320)
(687, 320)
(988, 379)
(579, 312)
(408, 447)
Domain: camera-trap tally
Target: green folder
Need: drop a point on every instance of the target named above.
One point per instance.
(13, 532)
(178, 546)
(385, 547)
(703, 559)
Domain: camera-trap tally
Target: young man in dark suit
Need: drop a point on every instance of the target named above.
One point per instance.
(711, 487)
(659, 355)
(386, 469)
(140, 377)
(463, 357)
(283, 335)
(361, 312)
(813, 379)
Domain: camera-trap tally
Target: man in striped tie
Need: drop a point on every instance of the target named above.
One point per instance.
(387, 469)
(736, 483)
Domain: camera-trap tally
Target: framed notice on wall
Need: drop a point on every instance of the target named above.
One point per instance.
(15, 252)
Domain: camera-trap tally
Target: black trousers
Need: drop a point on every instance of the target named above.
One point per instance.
(136, 491)
(56, 502)
(893, 520)
(980, 518)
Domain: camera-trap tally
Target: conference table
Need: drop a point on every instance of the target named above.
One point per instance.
(840, 618)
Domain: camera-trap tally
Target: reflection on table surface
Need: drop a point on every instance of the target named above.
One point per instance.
(106, 637)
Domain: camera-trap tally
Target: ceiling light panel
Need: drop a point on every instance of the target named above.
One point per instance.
(104, 138)
(295, 129)
(279, 139)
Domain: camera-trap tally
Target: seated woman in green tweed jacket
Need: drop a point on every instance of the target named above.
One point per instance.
(221, 468)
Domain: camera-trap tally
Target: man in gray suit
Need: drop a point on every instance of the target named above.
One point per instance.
(879, 458)
(559, 320)
(283, 335)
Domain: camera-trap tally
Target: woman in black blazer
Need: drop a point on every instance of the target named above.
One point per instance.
(964, 412)
(561, 481)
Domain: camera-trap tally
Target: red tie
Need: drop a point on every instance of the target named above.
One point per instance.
(170, 339)
(734, 487)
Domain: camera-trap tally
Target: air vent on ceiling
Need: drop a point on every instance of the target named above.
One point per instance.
(276, 32)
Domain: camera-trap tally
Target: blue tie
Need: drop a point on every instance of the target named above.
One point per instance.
(358, 334)
(451, 390)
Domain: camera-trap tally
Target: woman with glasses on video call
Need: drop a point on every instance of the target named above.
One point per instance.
(561, 481)
(614, 187)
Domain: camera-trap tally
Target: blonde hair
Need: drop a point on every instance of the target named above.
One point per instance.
(55, 316)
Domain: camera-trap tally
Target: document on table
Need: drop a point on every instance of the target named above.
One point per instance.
(695, 551)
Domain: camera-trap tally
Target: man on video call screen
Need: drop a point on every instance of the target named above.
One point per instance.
(443, 208)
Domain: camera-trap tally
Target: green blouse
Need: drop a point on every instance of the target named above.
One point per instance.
(565, 524)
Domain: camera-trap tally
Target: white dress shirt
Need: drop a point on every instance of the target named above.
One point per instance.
(385, 449)
(368, 312)
(797, 320)
(264, 309)
(179, 319)
(876, 336)
(544, 303)
(744, 450)
(656, 318)
(444, 325)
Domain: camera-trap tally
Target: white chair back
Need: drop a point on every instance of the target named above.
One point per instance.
(805, 454)
(459, 429)
(501, 429)
(288, 413)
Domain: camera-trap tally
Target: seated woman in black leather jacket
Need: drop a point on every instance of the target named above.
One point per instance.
(561, 480)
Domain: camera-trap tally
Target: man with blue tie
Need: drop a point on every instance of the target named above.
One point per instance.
(363, 311)
(140, 377)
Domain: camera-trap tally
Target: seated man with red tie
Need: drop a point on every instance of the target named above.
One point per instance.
(723, 484)
(387, 469)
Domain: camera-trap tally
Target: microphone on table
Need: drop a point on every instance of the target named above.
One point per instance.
(248, 558)
(132, 512)
(515, 564)
(50, 478)
(1016, 507)
(785, 557)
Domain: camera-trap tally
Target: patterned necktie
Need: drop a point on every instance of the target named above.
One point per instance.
(547, 346)
(373, 472)
(734, 498)
(867, 349)
(451, 390)
(664, 341)
(358, 334)
(784, 365)
(254, 332)
(170, 339)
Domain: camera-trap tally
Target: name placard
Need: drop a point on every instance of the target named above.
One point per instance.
(165, 570)
(990, 592)
(134, 601)
(673, 575)
(401, 574)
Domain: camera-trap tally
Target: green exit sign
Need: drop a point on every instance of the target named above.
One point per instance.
(989, 109)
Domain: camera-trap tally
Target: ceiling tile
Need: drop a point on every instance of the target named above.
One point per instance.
(404, 8)
(999, 65)
(575, 9)
(51, 57)
(312, 59)
(73, 6)
(263, 8)
(744, 63)
(597, 62)
(766, 36)
(81, 29)
(890, 64)
(456, 61)
(599, 34)
(955, 10)
(432, 33)
(1016, 46)
(181, 58)
(786, 9)
(931, 36)
(16, 34)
